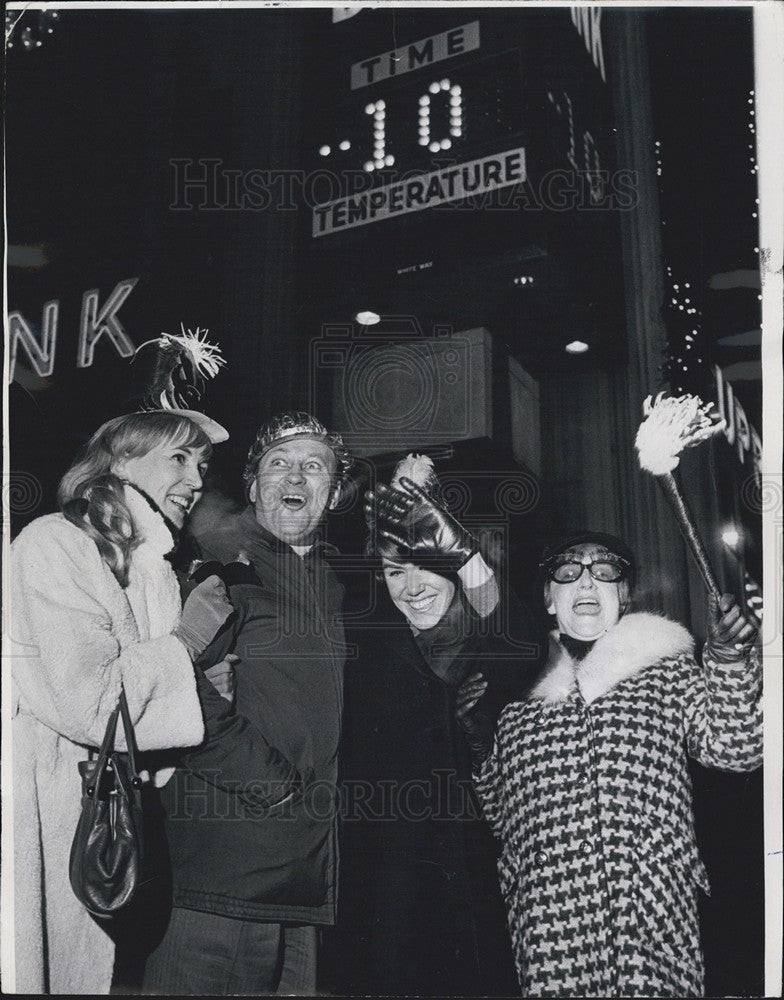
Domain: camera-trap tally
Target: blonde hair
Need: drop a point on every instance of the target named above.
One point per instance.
(91, 496)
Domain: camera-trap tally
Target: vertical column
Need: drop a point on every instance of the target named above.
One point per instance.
(643, 515)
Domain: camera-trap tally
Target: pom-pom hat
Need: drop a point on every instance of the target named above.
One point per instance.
(420, 470)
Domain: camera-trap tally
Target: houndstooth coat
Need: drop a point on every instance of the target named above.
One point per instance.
(589, 790)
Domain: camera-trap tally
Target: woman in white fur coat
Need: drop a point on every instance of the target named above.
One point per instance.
(93, 605)
(587, 782)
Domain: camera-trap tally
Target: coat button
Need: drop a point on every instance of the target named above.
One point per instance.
(540, 857)
(585, 847)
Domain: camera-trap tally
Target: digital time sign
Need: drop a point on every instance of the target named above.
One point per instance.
(458, 151)
(444, 109)
(443, 98)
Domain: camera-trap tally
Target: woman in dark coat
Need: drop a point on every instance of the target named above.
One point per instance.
(420, 911)
(588, 784)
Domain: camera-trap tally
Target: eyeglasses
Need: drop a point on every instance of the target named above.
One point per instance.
(604, 570)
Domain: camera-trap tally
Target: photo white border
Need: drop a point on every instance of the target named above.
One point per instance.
(768, 19)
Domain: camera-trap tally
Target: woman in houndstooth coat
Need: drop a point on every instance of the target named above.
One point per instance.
(588, 786)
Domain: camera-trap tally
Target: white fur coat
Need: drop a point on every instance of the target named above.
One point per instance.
(634, 643)
(76, 636)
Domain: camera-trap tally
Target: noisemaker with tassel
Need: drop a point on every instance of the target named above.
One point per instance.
(670, 425)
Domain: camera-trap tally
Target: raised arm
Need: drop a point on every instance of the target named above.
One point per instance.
(722, 697)
(413, 520)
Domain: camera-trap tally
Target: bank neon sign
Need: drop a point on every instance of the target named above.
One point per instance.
(95, 321)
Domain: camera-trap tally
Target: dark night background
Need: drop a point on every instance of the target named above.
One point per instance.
(96, 114)
(94, 117)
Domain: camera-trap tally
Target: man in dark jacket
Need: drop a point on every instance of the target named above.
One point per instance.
(254, 874)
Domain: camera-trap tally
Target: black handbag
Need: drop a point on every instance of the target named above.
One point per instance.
(105, 867)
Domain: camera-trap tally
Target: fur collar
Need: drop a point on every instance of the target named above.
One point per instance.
(637, 641)
(148, 521)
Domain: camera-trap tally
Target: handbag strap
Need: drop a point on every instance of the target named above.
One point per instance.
(130, 735)
(106, 749)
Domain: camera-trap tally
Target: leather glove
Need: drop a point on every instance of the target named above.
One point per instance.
(476, 727)
(731, 637)
(414, 521)
(204, 613)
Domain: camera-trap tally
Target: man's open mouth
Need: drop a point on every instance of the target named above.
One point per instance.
(294, 501)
